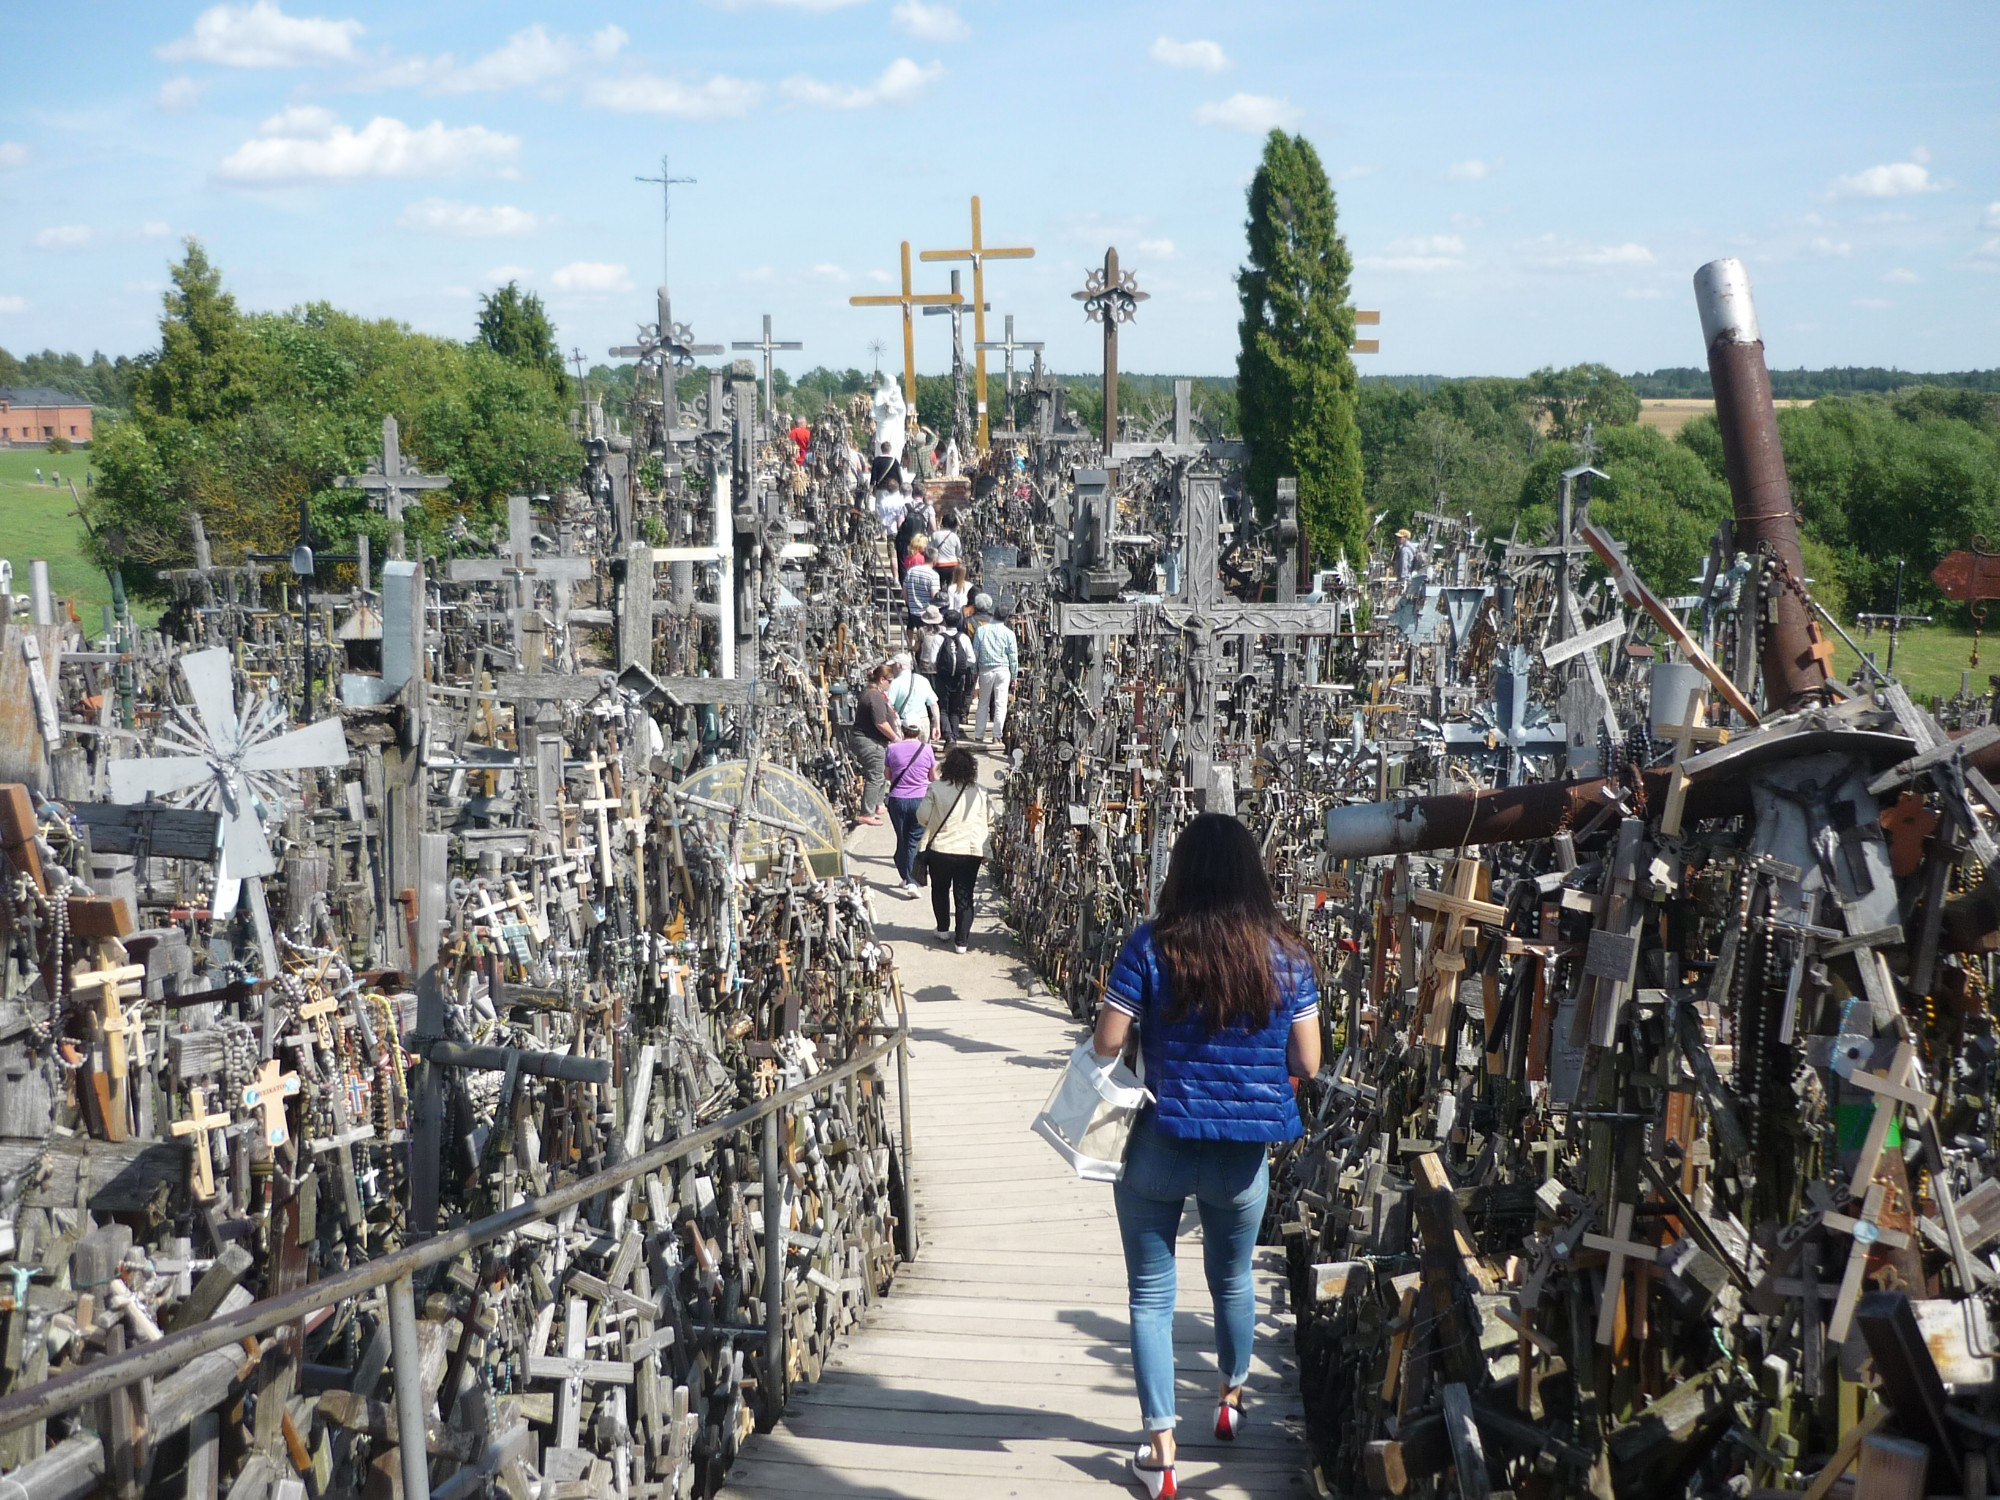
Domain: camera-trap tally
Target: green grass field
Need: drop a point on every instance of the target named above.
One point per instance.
(40, 521)
(1929, 659)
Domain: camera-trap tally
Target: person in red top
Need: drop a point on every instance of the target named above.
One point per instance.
(801, 435)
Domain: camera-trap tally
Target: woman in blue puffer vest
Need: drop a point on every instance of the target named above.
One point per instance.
(1221, 989)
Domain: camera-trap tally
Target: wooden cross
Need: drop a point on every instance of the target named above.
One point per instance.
(516, 563)
(907, 299)
(1457, 907)
(268, 1094)
(1684, 738)
(769, 345)
(316, 1012)
(1867, 1231)
(1891, 1087)
(531, 914)
(573, 1369)
(979, 252)
(387, 478)
(602, 806)
(198, 1124)
(112, 982)
(1621, 1247)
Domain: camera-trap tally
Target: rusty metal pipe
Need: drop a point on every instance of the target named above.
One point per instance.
(1755, 463)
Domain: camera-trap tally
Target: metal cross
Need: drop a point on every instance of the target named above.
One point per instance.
(667, 346)
(667, 183)
(955, 310)
(768, 345)
(1009, 346)
(1110, 296)
(907, 299)
(387, 478)
(979, 252)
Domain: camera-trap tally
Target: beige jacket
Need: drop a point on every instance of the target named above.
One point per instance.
(962, 832)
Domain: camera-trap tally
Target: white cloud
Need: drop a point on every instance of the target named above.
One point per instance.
(1553, 252)
(1896, 179)
(13, 154)
(529, 58)
(1822, 245)
(472, 220)
(592, 276)
(501, 275)
(881, 276)
(1256, 113)
(1355, 174)
(307, 144)
(1158, 249)
(930, 23)
(720, 98)
(1901, 276)
(1920, 153)
(179, 95)
(1421, 255)
(818, 7)
(1473, 170)
(1207, 56)
(156, 229)
(13, 304)
(64, 237)
(261, 35)
(826, 270)
(301, 119)
(1991, 221)
(1873, 304)
(1986, 257)
(901, 83)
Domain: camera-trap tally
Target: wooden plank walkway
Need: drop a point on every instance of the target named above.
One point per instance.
(999, 1365)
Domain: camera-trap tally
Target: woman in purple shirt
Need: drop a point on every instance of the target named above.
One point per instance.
(911, 763)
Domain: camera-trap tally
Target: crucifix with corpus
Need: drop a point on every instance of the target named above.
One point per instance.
(388, 478)
(769, 346)
(198, 1124)
(1009, 346)
(979, 252)
(907, 299)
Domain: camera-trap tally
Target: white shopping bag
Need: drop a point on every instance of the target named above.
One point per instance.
(1089, 1117)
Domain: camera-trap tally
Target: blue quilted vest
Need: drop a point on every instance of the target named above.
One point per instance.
(1228, 1085)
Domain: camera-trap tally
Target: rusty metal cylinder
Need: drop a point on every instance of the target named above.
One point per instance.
(1766, 524)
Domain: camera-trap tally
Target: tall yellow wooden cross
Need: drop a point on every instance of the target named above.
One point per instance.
(908, 299)
(979, 252)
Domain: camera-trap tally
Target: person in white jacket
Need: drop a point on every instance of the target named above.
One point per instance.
(957, 821)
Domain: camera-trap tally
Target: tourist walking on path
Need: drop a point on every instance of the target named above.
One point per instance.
(1221, 989)
(957, 823)
(910, 764)
(956, 670)
(999, 656)
(874, 730)
(913, 698)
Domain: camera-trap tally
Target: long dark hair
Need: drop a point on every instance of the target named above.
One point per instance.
(1219, 931)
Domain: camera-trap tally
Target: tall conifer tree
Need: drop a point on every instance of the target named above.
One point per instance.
(1295, 374)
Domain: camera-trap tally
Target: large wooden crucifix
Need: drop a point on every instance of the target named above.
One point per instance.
(1007, 345)
(907, 299)
(769, 345)
(1110, 296)
(1201, 614)
(388, 478)
(979, 252)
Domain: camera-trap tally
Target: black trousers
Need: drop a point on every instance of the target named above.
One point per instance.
(952, 878)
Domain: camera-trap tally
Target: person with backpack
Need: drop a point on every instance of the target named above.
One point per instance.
(956, 670)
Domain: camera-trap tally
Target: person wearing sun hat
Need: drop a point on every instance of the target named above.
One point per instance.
(1406, 554)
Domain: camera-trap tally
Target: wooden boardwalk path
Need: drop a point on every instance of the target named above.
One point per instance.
(999, 1365)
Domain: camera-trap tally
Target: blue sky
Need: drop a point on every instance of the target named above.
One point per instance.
(1520, 184)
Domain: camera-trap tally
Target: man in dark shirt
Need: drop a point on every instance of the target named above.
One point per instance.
(874, 729)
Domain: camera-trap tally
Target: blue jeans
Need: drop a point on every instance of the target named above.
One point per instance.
(1230, 1181)
(909, 832)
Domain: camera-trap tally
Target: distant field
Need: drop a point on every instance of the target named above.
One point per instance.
(39, 520)
(1669, 414)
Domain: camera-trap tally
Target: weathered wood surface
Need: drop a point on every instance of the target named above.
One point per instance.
(1000, 1363)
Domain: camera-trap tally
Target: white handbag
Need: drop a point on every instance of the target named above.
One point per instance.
(1089, 1117)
